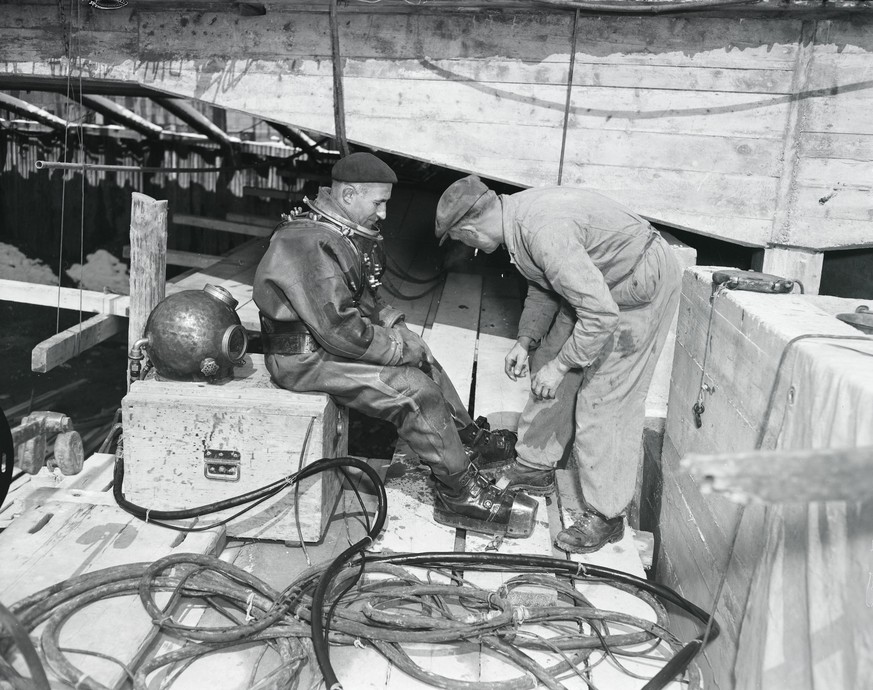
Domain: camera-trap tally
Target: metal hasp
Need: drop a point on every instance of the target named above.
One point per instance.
(31, 435)
(223, 465)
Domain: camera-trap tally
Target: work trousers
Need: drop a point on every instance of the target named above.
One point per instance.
(425, 408)
(602, 408)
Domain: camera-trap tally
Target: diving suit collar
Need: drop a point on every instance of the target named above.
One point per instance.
(322, 207)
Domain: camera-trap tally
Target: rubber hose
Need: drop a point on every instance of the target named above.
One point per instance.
(320, 626)
(25, 646)
(7, 456)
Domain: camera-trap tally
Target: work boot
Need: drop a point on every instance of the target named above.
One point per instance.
(590, 532)
(494, 448)
(518, 477)
(469, 501)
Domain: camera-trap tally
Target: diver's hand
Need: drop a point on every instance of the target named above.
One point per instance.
(416, 353)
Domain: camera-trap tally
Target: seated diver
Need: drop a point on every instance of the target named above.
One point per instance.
(326, 329)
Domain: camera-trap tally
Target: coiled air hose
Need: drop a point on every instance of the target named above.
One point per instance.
(308, 607)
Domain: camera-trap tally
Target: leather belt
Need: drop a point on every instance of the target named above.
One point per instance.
(286, 337)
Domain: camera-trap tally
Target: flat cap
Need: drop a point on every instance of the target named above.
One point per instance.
(362, 167)
(460, 196)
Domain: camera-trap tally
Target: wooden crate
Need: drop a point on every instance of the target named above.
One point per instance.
(189, 444)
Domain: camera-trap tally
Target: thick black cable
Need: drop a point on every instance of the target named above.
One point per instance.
(277, 614)
(394, 268)
(395, 292)
(7, 457)
(321, 624)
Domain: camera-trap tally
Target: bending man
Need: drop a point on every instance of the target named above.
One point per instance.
(602, 288)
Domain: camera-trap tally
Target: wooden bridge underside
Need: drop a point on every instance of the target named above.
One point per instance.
(752, 129)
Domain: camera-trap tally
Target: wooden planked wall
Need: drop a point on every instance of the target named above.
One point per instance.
(750, 129)
(800, 633)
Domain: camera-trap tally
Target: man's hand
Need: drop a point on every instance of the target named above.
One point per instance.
(515, 362)
(416, 353)
(546, 381)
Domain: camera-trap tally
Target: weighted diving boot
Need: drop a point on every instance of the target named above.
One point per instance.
(468, 500)
(531, 480)
(590, 532)
(494, 449)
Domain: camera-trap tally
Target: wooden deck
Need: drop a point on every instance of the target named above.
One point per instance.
(58, 529)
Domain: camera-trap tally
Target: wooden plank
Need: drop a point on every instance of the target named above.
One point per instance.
(497, 396)
(797, 264)
(54, 540)
(221, 225)
(148, 263)
(453, 336)
(70, 343)
(64, 298)
(659, 388)
(96, 475)
(828, 474)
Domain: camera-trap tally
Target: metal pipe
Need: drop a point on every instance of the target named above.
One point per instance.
(52, 165)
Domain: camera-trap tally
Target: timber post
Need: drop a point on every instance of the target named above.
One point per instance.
(148, 261)
(794, 263)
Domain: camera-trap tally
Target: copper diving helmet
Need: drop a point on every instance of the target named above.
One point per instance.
(195, 335)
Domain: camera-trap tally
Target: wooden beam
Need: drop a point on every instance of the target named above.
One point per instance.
(176, 257)
(797, 264)
(193, 117)
(64, 298)
(795, 476)
(148, 261)
(118, 113)
(222, 225)
(26, 109)
(69, 343)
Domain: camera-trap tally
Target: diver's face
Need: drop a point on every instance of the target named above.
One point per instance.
(365, 203)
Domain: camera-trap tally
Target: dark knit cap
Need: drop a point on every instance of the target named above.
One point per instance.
(362, 167)
(458, 199)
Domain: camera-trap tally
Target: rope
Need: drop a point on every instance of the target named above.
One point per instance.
(81, 136)
(569, 92)
(68, 52)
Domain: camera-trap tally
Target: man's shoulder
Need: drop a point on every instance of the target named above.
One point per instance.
(306, 229)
